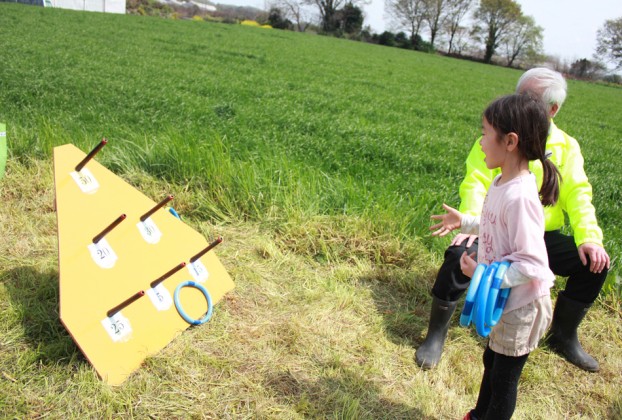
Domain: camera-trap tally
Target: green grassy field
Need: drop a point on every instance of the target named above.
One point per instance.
(273, 121)
(320, 161)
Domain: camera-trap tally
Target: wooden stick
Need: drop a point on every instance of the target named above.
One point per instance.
(125, 303)
(109, 228)
(156, 208)
(88, 157)
(210, 246)
(167, 274)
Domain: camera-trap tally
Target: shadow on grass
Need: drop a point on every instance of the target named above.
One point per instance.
(403, 298)
(34, 297)
(615, 411)
(346, 394)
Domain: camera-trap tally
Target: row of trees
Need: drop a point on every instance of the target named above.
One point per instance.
(486, 29)
(335, 18)
(495, 24)
(480, 29)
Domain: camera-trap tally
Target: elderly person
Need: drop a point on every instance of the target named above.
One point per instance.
(580, 257)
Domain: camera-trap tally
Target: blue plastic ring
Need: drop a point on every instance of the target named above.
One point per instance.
(181, 311)
(497, 297)
(174, 213)
(467, 312)
(482, 298)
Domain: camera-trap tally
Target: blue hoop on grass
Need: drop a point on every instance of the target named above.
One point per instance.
(181, 311)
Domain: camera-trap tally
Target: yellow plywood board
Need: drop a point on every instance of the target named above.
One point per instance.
(90, 288)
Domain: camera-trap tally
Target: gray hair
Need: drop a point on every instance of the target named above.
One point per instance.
(548, 84)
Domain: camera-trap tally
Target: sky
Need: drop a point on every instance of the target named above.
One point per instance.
(569, 25)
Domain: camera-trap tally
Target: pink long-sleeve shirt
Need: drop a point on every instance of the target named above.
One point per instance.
(511, 228)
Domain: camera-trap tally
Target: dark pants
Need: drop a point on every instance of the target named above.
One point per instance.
(582, 285)
(499, 387)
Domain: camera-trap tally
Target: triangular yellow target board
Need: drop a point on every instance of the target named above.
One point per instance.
(122, 279)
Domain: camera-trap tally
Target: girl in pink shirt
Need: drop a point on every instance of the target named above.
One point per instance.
(511, 228)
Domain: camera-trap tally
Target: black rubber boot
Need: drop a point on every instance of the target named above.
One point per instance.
(429, 353)
(562, 337)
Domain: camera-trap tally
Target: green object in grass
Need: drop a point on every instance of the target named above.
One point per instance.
(2, 149)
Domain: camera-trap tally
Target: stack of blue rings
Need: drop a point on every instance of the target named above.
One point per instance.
(485, 299)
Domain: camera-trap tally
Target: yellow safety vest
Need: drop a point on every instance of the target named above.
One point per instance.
(575, 195)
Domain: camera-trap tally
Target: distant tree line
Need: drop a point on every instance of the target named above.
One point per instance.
(497, 29)
(490, 31)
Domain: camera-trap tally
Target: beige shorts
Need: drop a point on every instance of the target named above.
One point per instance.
(519, 331)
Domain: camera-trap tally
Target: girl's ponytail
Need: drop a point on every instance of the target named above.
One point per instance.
(549, 192)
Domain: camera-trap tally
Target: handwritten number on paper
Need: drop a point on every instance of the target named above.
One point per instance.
(103, 253)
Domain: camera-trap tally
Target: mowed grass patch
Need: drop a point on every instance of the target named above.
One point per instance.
(300, 336)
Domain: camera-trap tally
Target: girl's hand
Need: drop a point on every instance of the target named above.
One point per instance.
(449, 221)
(468, 264)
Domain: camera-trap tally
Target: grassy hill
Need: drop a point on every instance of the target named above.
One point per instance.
(319, 160)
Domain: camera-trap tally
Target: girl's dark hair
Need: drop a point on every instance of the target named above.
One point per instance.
(527, 117)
